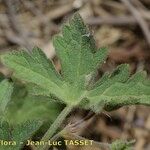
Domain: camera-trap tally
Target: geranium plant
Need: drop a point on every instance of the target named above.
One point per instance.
(74, 87)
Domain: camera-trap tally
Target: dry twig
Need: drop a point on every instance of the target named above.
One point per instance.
(139, 19)
(19, 33)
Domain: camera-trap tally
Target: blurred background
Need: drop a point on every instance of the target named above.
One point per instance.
(121, 25)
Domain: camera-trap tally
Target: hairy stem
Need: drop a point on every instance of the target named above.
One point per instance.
(54, 127)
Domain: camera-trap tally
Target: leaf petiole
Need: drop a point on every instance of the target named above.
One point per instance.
(56, 124)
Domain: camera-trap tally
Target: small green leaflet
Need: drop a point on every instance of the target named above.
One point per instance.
(79, 60)
(17, 134)
(121, 145)
(6, 89)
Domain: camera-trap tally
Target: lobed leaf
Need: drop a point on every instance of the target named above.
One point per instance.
(79, 60)
(118, 89)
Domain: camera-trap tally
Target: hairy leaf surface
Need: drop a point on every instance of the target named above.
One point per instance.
(79, 60)
(77, 51)
(119, 89)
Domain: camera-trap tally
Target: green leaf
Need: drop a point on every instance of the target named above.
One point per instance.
(6, 89)
(118, 89)
(121, 145)
(33, 89)
(79, 60)
(24, 131)
(25, 107)
(17, 134)
(33, 108)
(32, 67)
(77, 51)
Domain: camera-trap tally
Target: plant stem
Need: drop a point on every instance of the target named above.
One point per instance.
(56, 124)
(32, 147)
